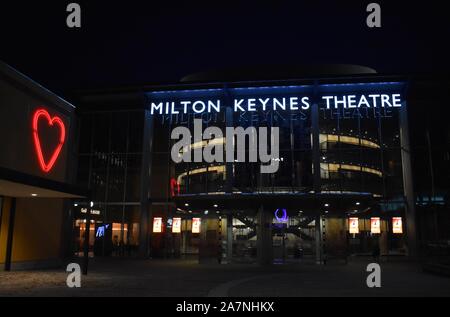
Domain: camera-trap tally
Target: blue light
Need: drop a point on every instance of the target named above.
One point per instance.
(272, 87)
(284, 218)
(101, 231)
(184, 91)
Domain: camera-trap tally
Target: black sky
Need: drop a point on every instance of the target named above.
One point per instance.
(141, 42)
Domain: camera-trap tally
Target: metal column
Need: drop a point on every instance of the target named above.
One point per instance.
(229, 237)
(316, 174)
(146, 171)
(9, 241)
(87, 231)
(408, 188)
(264, 237)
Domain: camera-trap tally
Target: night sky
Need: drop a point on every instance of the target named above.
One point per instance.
(150, 42)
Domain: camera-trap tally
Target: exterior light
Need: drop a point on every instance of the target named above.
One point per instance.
(358, 203)
(34, 195)
(217, 212)
(327, 205)
(326, 211)
(46, 167)
(215, 206)
(206, 212)
(75, 205)
(190, 211)
(283, 217)
(187, 205)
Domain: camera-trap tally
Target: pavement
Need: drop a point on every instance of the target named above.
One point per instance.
(187, 278)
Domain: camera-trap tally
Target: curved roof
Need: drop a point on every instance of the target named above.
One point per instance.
(277, 73)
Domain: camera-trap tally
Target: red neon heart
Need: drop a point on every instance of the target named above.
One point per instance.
(42, 113)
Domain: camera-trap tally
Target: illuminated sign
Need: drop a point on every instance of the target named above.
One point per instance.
(375, 225)
(174, 187)
(157, 225)
(281, 215)
(101, 231)
(397, 225)
(196, 222)
(282, 103)
(353, 225)
(93, 211)
(47, 165)
(176, 225)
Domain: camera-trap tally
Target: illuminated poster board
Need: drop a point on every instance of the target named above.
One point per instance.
(375, 225)
(176, 225)
(157, 225)
(353, 225)
(196, 222)
(397, 225)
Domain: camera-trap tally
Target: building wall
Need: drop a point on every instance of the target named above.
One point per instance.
(4, 221)
(37, 232)
(38, 139)
(336, 236)
(17, 108)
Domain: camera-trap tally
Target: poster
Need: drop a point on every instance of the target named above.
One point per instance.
(196, 222)
(397, 225)
(157, 225)
(353, 225)
(176, 225)
(375, 225)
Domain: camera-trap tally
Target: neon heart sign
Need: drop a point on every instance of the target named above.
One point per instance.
(47, 166)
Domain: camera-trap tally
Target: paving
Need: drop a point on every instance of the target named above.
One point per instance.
(187, 278)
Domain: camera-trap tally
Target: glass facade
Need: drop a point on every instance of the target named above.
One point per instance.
(334, 162)
(359, 149)
(110, 160)
(358, 153)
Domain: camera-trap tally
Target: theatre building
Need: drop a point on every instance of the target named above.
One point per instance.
(37, 174)
(319, 164)
(343, 186)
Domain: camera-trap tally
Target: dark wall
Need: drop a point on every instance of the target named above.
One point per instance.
(18, 104)
(429, 110)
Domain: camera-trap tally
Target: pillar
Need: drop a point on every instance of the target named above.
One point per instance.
(264, 236)
(206, 251)
(10, 236)
(315, 147)
(145, 203)
(229, 238)
(318, 237)
(408, 189)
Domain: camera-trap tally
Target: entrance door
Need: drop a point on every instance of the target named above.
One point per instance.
(293, 239)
